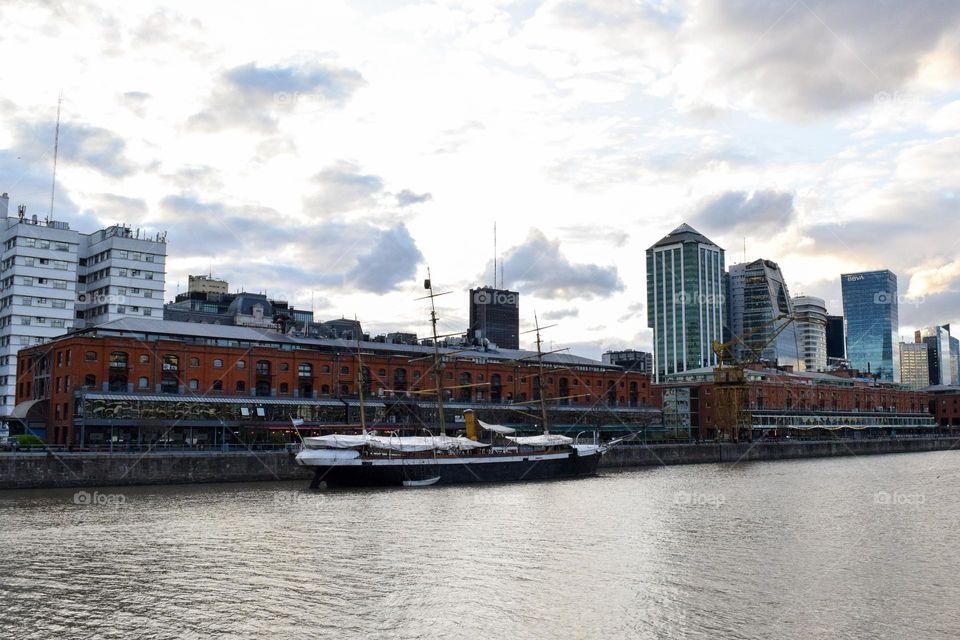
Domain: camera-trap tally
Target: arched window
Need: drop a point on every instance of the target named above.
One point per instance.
(241, 386)
(305, 370)
(496, 388)
(194, 384)
(218, 385)
(263, 367)
(171, 362)
(194, 362)
(284, 388)
(90, 356)
(241, 364)
(218, 364)
(563, 390)
(143, 382)
(345, 370)
(90, 380)
(118, 360)
(400, 379)
(325, 369)
(144, 359)
(465, 393)
(284, 366)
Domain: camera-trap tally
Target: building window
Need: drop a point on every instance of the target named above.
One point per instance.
(345, 370)
(90, 380)
(144, 359)
(218, 364)
(143, 382)
(263, 368)
(194, 384)
(118, 359)
(325, 369)
(305, 370)
(241, 386)
(241, 364)
(194, 362)
(218, 385)
(284, 387)
(169, 384)
(171, 362)
(284, 366)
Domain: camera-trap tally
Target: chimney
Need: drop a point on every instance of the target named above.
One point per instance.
(4, 204)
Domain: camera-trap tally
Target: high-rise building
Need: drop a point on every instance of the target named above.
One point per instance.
(937, 342)
(811, 314)
(685, 300)
(954, 358)
(55, 279)
(758, 295)
(914, 370)
(836, 344)
(871, 322)
(495, 316)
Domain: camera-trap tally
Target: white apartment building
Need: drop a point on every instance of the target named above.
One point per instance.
(54, 279)
(811, 321)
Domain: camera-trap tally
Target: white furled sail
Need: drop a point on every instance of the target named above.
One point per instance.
(543, 440)
(496, 428)
(410, 444)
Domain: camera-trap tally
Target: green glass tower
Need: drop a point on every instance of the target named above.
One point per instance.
(685, 300)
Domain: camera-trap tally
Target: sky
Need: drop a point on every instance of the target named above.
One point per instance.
(329, 152)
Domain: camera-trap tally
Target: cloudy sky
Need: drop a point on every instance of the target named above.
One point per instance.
(330, 151)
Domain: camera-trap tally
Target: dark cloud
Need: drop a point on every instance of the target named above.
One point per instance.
(537, 267)
(560, 314)
(356, 255)
(343, 187)
(80, 144)
(111, 206)
(760, 212)
(407, 197)
(806, 59)
(392, 259)
(27, 181)
(253, 97)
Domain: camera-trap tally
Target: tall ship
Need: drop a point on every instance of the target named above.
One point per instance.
(485, 452)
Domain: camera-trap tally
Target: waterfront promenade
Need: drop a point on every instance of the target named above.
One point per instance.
(52, 468)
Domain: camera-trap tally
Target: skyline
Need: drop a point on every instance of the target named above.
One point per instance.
(278, 150)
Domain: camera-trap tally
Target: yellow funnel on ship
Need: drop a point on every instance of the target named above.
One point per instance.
(471, 423)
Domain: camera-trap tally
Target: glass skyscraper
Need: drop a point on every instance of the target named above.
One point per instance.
(871, 322)
(758, 295)
(685, 300)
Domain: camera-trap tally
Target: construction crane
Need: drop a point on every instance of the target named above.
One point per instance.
(733, 415)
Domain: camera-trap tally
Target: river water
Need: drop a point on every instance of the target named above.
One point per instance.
(833, 548)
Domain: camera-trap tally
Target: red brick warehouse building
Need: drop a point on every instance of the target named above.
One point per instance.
(138, 380)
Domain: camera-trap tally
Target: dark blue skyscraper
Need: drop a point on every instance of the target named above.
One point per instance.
(870, 317)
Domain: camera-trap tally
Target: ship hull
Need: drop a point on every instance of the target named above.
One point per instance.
(421, 472)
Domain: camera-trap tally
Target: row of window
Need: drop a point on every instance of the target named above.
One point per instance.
(118, 272)
(37, 243)
(124, 254)
(30, 281)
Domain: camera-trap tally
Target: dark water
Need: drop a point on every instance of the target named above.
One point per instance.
(836, 548)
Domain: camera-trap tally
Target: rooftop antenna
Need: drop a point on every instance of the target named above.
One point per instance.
(56, 151)
(494, 254)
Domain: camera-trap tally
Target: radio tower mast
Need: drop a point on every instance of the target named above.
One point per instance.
(56, 151)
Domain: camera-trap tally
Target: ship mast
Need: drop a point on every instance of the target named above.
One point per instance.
(363, 415)
(437, 360)
(543, 399)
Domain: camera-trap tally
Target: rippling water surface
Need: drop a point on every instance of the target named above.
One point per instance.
(835, 548)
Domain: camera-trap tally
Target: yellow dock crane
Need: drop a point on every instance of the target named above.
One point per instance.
(731, 399)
